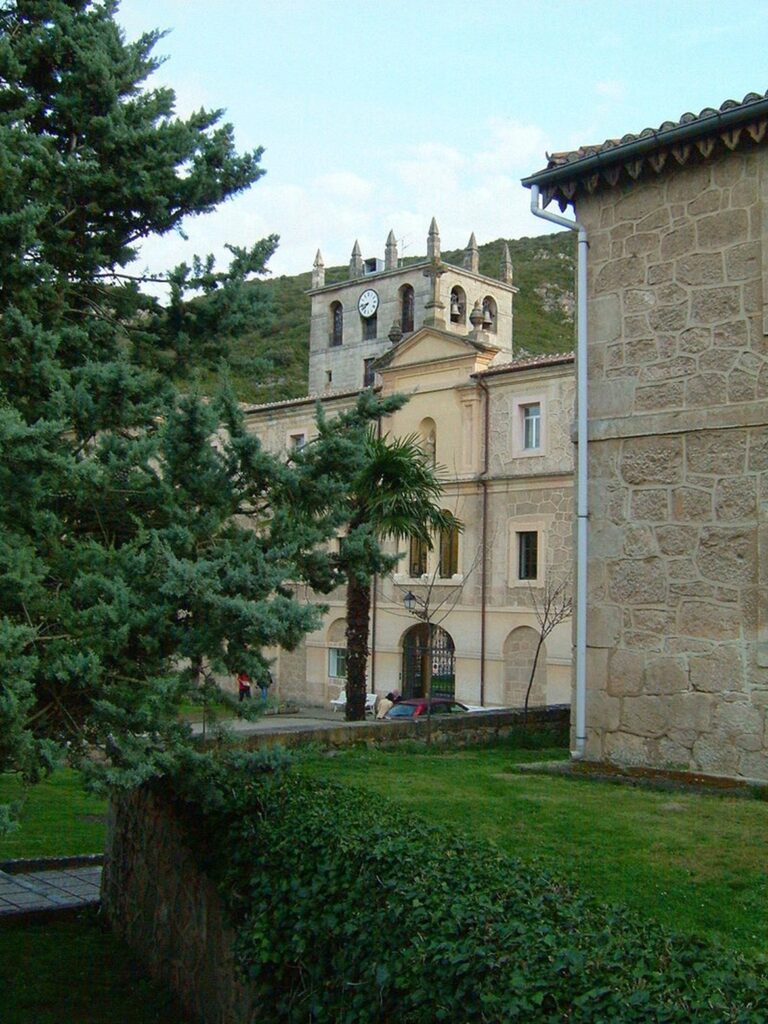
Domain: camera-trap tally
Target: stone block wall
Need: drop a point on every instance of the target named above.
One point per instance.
(678, 462)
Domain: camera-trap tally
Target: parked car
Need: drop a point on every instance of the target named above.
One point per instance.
(416, 707)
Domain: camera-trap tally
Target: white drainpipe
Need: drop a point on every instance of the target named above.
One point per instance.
(581, 464)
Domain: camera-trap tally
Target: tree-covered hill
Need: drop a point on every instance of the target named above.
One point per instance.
(268, 362)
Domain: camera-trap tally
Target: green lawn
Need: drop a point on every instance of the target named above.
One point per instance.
(58, 819)
(698, 864)
(73, 971)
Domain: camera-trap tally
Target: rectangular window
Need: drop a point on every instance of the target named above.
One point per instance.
(297, 441)
(369, 374)
(531, 427)
(417, 559)
(337, 662)
(370, 328)
(449, 553)
(527, 555)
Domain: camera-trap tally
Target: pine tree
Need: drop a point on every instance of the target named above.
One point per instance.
(143, 533)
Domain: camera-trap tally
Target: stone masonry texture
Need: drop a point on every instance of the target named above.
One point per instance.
(678, 462)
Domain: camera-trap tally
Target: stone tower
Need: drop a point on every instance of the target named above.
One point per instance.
(356, 321)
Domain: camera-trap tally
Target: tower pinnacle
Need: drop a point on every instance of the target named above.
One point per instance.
(390, 252)
(318, 271)
(472, 255)
(433, 241)
(356, 261)
(506, 272)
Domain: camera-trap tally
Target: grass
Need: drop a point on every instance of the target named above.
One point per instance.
(58, 819)
(73, 971)
(70, 970)
(695, 863)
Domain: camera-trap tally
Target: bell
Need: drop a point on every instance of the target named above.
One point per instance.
(455, 307)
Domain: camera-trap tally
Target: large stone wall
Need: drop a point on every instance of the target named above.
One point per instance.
(678, 462)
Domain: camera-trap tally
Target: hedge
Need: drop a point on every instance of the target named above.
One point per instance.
(350, 910)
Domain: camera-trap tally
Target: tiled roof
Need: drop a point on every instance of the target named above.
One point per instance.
(692, 137)
(529, 363)
(286, 403)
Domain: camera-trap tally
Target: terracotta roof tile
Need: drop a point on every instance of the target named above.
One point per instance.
(573, 156)
(693, 137)
(530, 362)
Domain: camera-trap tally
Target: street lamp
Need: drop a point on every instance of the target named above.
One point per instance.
(410, 601)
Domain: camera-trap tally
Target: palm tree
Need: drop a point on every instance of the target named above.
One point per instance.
(394, 494)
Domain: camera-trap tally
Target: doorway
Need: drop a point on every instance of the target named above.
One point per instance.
(418, 654)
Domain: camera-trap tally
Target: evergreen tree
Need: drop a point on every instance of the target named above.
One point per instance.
(142, 533)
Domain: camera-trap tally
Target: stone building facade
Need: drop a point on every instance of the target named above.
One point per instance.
(499, 427)
(677, 626)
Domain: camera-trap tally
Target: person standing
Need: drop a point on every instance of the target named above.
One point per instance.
(265, 685)
(243, 686)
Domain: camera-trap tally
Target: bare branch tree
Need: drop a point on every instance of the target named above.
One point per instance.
(552, 605)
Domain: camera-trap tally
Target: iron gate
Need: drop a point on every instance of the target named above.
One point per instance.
(418, 654)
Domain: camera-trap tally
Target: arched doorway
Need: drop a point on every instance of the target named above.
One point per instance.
(418, 654)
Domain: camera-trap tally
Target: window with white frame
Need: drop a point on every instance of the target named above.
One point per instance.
(297, 441)
(337, 662)
(531, 426)
(527, 555)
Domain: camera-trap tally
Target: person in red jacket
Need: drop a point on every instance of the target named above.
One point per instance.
(244, 686)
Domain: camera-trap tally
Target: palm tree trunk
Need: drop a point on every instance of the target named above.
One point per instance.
(358, 608)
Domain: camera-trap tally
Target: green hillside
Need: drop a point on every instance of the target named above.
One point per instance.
(268, 362)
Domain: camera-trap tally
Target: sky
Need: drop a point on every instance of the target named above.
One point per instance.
(380, 114)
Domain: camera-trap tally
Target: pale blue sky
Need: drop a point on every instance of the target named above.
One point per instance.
(379, 115)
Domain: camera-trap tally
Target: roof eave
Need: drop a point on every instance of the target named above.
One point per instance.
(718, 121)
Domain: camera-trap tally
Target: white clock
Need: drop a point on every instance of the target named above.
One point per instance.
(368, 303)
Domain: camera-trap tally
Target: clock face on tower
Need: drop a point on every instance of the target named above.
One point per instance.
(368, 303)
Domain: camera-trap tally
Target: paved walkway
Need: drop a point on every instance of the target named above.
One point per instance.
(306, 718)
(45, 891)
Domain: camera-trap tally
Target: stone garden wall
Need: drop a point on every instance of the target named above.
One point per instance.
(678, 498)
(162, 905)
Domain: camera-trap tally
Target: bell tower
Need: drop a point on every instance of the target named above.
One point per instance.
(383, 303)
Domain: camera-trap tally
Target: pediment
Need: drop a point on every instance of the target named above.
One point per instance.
(430, 345)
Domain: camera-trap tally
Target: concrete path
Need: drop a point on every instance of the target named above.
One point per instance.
(306, 718)
(39, 892)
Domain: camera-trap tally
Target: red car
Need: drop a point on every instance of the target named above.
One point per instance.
(416, 707)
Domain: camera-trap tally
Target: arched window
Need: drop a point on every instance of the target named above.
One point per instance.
(337, 323)
(417, 557)
(407, 306)
(337, 650)
(449, 552)
(490, 313)
(458, 305)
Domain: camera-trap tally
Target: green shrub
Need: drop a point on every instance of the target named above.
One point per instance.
(350, 911)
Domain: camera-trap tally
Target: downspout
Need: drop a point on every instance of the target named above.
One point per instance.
(483, 537)
(582, 513)
(374, 588)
